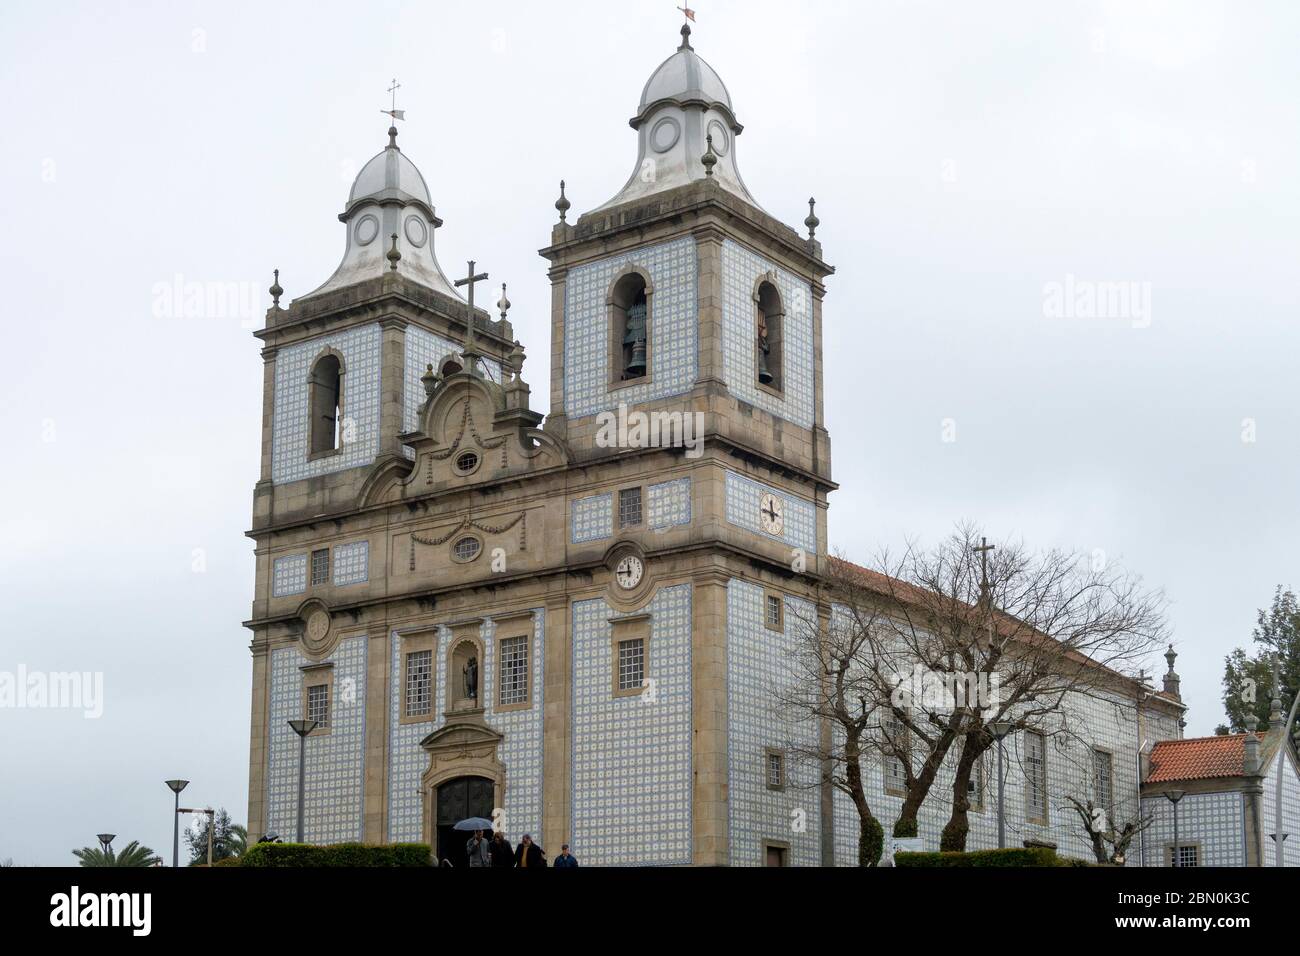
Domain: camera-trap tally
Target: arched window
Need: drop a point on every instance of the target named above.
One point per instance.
(325, 404)
(630, 329)
(769, 319)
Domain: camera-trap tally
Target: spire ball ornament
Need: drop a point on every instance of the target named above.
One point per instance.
(563, 204)
(503, 304)
(276, 291)
(812, 222)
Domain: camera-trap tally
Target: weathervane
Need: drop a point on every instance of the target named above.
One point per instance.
(393, 111)
(689, 13)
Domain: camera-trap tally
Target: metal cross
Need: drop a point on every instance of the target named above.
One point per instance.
(469, 280)
(983, 550)
(393, 90)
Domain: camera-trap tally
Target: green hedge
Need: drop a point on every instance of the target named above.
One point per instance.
(1015, 856)
(339, 854)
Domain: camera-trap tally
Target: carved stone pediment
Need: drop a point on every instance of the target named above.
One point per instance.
(467, 739)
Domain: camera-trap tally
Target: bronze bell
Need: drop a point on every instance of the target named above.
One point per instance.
(764, 350)
(635, 338)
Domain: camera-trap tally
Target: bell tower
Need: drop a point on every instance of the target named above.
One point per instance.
(682, 299)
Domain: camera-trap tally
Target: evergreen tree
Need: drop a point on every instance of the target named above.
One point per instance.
(228, 839)
(1248, 677)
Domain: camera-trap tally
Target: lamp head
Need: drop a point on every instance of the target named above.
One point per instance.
(1173, 796)
(177, 785)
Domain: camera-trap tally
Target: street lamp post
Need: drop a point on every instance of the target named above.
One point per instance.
(106, 843)
(176, 787)
(302, 728)
(1173, 796)
(999, 729)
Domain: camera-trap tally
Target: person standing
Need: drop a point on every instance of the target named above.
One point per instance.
(528, 855)
(565, 860)
(500, 851)
(476, 848)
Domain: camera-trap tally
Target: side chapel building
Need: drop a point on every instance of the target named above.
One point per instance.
(491, 613)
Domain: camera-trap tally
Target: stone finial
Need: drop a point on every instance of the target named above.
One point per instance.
(515, 360)
(503, 304)
(812, 222)
(1171, 681)
(429, 380)
(710, 158)
(393, 255)
(563, 204)
(686, 37)
(276, 291)
(392, 137)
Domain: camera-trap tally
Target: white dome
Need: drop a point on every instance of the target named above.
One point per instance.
(685, 76)
(390, 175)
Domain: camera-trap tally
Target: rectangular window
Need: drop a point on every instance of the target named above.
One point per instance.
(631, 664)
(975, 785)
(894, 738)
(1035, 777)
(320, 567)
(419, 683)
(775, 770)
(514, 671)
(773, 612)
(318, 704)
(1188, 855)
(629, 507)
(1102, 791)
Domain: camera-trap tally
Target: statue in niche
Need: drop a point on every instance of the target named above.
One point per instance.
(470, 674)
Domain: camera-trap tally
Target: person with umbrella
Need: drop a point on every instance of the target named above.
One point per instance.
(476, 848)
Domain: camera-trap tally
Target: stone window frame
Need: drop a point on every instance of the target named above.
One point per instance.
(768, 596)
(457, 539)
(618, 508)
(426, 640)
(316, 675)
(1030, 817)
(624, 629)
(1094, 753)
(768, 754)
(885, 759)
(1192, 844)
(975, 797)
(617, 328)
(324, 353)
(776, 343)
(311, 567)
(502, 635)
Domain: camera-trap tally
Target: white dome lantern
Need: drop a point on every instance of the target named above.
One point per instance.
(683, 103)
(389, 197)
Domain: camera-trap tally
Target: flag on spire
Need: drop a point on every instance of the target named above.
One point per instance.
(690, 14)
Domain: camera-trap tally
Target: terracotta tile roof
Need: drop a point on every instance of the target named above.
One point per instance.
(1198, 758)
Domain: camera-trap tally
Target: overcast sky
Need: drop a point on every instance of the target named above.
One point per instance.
(964, 157)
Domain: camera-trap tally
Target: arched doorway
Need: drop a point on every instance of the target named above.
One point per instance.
(458, 799)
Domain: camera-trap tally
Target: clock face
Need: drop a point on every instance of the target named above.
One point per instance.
(771, 513)
(628, 572)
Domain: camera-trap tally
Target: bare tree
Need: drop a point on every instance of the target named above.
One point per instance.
(828, 692)
(1109, 842)
(928, 650)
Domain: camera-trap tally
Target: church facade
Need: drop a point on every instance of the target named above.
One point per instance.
(570, 625)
